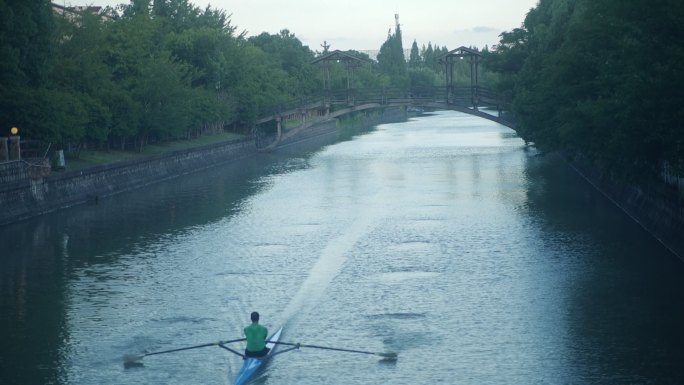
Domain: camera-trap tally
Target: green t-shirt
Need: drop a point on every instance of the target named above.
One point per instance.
(256, 337)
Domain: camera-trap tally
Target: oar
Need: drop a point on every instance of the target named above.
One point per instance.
(130, 358)
(390, 355)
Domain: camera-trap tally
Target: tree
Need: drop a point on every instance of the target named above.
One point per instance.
(391, 60)
(292, 56)
(423, 78)
(262, 83)
(80, 69)
(584, 81)
(414, 57)
(26, 30)
(428, 55)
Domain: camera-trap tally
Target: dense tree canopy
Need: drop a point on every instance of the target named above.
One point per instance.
(293, 57)
(147, 71)
(156, 70)
(600, 78)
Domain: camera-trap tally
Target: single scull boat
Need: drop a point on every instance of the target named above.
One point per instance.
(251, 364)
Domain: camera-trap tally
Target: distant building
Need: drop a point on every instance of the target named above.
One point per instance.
(71, 12)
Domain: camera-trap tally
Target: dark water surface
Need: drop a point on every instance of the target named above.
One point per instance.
(443, 239)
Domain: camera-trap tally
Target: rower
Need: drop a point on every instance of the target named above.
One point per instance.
(256, 338)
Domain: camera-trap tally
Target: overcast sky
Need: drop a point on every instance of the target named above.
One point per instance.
(363, 24)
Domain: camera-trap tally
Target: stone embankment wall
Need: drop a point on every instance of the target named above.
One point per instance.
(23, 195)
(657, 207)
(12, 172)
(27, 191)
(326, 127)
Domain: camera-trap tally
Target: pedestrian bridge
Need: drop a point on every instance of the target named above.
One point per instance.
(332, 104)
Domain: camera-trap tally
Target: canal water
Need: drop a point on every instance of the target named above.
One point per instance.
(444, 239)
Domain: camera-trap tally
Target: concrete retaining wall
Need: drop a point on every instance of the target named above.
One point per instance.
(26, 197)
(11, 172)
(326, 127)
(26, 192)
(657, 207)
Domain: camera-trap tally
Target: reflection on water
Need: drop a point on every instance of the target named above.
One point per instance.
(444, 239)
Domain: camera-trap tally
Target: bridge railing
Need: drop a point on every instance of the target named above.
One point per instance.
(385, 95)
(284, 107)
(464, 96)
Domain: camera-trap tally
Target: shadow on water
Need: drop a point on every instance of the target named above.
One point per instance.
(32, 321)
(133, 364)
(626, 291)
(40, 255)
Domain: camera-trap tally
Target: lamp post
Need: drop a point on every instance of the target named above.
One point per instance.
(14, 146)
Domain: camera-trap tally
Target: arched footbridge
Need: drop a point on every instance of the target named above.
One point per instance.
(477, 101)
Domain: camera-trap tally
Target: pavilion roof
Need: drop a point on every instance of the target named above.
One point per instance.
(337, 55)
(461, 52)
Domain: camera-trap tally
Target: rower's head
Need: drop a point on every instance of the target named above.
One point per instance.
(254, 316)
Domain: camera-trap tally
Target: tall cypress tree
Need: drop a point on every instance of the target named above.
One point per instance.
(414, 57)
(391, 58)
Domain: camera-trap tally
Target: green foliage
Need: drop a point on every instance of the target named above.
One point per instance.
(263, 83)
(369, 76)
(391, 60)
(293, 57)
(50, 115)
(599, 78)
(162, 90)
(423, 78)
(428, 54)
(414, 57)
(26, 29)
(156, 70)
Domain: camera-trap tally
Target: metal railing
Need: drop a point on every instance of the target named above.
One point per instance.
(331, 99)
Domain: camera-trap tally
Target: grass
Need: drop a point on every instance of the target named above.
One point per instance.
(94, 157)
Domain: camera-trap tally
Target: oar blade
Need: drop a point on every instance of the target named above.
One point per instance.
(133, 361)
(133, 358)
(388, 355)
